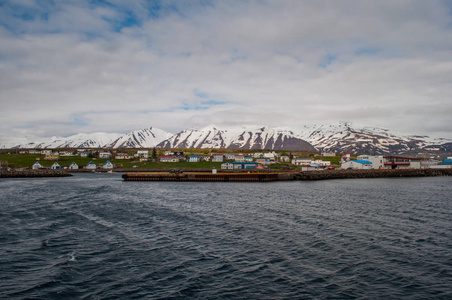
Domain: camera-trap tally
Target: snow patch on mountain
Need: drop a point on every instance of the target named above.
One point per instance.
(237, 137)
(143, 138)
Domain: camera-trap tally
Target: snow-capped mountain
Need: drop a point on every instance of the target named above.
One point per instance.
(81, 140)
(143, 138)
(344, 136)
(338, 137)
(237, 137)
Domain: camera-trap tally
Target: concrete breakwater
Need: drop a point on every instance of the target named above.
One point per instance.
(34, 173)
(201, 176)
(343, 174)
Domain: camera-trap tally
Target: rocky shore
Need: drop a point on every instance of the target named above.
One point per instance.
(34, 173)
(343, 174)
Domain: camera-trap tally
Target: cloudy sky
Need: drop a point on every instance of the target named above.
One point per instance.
(116, 66)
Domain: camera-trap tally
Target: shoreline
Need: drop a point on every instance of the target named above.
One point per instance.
(233, 175)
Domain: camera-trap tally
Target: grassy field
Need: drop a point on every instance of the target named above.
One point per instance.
(27, 160)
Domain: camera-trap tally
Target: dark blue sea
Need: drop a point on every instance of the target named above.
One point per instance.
(93, 236)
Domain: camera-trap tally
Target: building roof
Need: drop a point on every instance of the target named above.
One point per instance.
(364, 162)
(446, 162)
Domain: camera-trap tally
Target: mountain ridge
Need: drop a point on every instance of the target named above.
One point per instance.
(335, 137)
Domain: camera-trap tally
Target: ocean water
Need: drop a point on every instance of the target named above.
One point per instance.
(93, 236)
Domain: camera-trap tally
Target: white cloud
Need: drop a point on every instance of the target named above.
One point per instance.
(72, 67)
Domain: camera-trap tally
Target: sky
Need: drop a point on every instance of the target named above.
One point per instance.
(82, 66)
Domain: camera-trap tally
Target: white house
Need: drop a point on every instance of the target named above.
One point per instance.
(142, 154)
(55, 166)
(356, 165)
(73, 166)
(239, 158)
(104, 154)
(284, 158)
(122, 156)
(91, 166)
(321, 163)
(230, 156)
(107, 165)
(377, 161)
(36, 166)
(301, 161)
(194, 158)
(168, 158)
(217, 157)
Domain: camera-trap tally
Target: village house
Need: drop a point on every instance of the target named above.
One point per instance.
(52, 156)
(321, 163)
(229, 156)
(402, 162)
(55, 166)
(107, 165)
(264, 161)
(284, 158)
(167, 153)
(356, 165)
(73, 166)
(194, 158)
(66, 153)
(206, 158)
(217, 157)
(301, 161)
(248, 159)
(85, 154)
(91, 166)
(168, 158)
(122, 156)
(37, 166)
(239, 157)
(377, 161)
(258, 155)
(142, 154)
(179, 155)
(104, 154)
